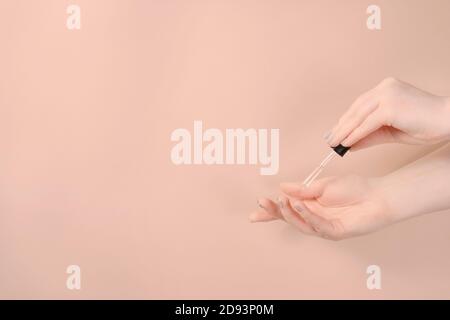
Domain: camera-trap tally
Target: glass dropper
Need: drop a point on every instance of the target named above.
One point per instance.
(340, 150)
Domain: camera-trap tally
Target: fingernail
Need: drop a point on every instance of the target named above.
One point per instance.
(330, 137)
(300, 208)
(260, 205)
(327, 135)
(280, 203)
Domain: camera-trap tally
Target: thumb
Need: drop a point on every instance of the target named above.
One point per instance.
(385, 135)
(380, 136)
(300, 191)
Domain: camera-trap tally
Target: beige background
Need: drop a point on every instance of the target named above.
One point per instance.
(85, 123)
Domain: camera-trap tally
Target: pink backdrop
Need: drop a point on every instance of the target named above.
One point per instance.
(85, 124)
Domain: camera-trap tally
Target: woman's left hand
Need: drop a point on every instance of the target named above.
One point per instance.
(332, 208)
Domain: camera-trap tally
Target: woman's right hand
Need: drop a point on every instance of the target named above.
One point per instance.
(393, 111)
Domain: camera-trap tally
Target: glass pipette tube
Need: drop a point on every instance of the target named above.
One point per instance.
(319, 169)
(340, 150)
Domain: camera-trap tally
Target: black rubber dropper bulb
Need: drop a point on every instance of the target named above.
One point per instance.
(341, 150)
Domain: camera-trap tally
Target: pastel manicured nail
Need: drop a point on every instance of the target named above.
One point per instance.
(330, 135)
(300, 208)
(280, 203)
(260, 205)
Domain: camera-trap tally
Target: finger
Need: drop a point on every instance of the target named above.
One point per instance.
(352, 122)
(380, 136)
(359, 103)
(292, 217)
(361, 100)
(298, 190)
(325, 228)
(270, 207)
(261, 216)
(373, 122)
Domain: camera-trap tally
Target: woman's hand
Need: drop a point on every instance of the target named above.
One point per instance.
(332, 208)
(393, 111)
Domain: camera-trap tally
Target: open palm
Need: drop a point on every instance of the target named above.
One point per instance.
(333, 208)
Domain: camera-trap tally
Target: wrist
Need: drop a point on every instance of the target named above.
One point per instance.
(446, 117)
(418, 188)
(393, 194)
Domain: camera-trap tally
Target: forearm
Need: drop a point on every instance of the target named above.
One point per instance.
(419, 188)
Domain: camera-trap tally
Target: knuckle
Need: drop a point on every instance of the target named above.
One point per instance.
(340, 122)
(338, 231)
(389, 81)
(389, 88)
(357, 103)
(356, 133)
(359, 113)
(385, 115)
(353, 118)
